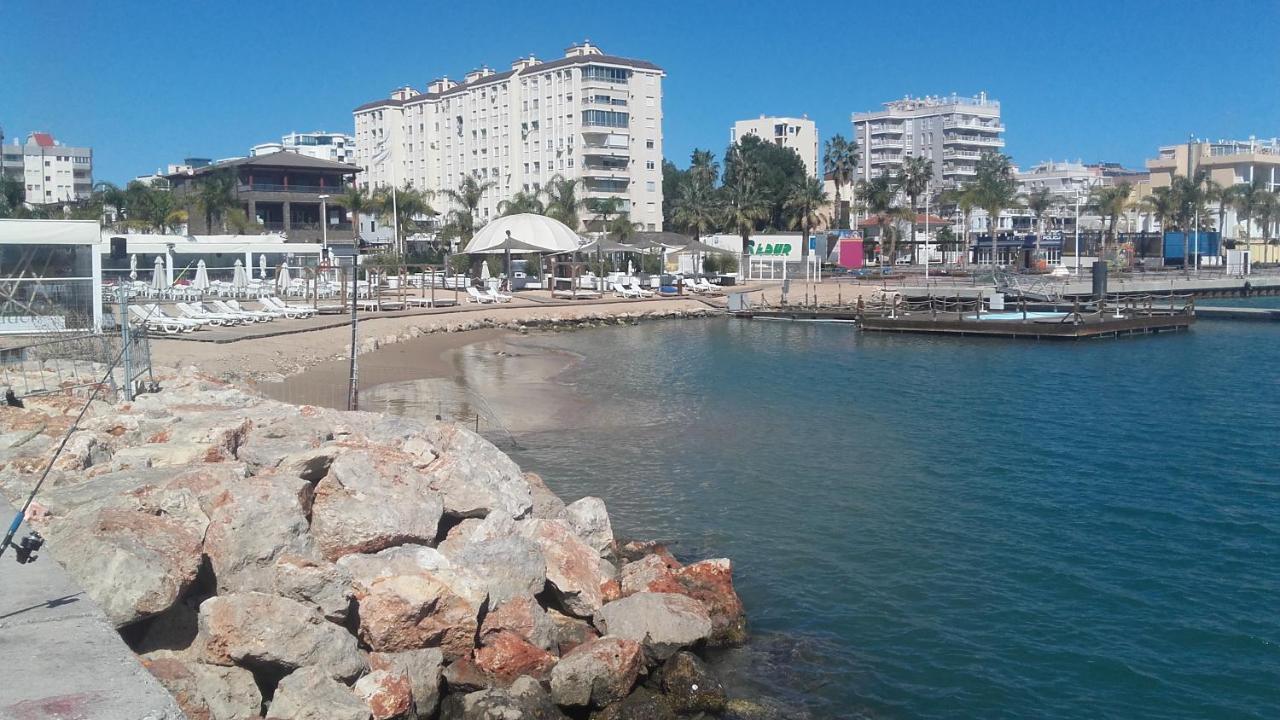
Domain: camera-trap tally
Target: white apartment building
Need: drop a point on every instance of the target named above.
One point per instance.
(321, 145)
(799, 134)
(951, 131)
(588, 116)
(49, 171)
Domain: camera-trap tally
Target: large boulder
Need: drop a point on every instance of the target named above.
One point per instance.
(568, 632)
(419, 610)
(474, 477)
(525, 699)
(710, 582)
(423, 668)
(663, 622)
(507, 563)
(388, 693)
(314, 581)
(370, 500)
(597, 673)
(206, 692)
(506, 656)
(524, 617)
(590, 521)
(271, 444)
(546, 504)
(652, 573)
(310, 694)
(641, 704)
(253, 523)
(573, 568)
(690, 686)
(255, 629)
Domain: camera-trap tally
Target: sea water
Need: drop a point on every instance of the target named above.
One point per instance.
(953, 528)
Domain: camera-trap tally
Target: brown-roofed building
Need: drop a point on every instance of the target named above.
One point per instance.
(281, 191)
(587, 116)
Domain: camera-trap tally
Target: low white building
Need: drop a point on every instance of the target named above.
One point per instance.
(338, 147)
(799, 134)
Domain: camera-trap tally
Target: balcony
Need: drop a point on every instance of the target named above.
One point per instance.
(297, 189)
(972, 140)
(953, 154)
(898, 143)
(972, 125)
(884, 129)
(600, 150)
(886, 158)
(948, 169)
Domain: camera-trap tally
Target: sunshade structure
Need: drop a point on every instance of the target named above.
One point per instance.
(158, 282)
(239, 279)
(664, 238)
(608, 246)
(133, 266)
(510, 244)
(201, 280)
(546, 234)
(697, 246)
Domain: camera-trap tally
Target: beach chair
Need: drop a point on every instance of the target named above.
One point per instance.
(497, 296)
(477, 296)
(238, 311)
(168, 326)
(190, 312)
(270, 312)
(153, 311)
(639, 291)
(705, 286)
(289, 311)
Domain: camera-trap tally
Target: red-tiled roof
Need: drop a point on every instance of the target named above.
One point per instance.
(43, 139)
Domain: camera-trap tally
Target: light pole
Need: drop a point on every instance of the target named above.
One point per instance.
(926, 230)
(1077, 232)
(324, 226)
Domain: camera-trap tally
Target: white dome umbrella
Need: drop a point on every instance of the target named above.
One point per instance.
(133, 267)
(201, 280)
(240, 279)
(158, 283)
(547, 234)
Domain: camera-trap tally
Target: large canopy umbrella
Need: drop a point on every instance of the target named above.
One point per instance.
(133, 267)
(547, 234)
(158, 282)
(239, 279)
(664, 238)
(607, 245)
(201, 280)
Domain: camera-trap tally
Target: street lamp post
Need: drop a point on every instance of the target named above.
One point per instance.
(1077, 232)
(324, 226)
(926, 230)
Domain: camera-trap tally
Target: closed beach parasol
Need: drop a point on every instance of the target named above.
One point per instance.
(201, 280)
(283, 279)
(262, 267)
(133, 267)
(631, 269)
(240, 279)
(484, 272)
(158, 283)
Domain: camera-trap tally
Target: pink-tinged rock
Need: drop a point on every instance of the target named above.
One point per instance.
(423, 668)
(506, 656)
(371, 500)
(206, 692)
(406, 612)
(387, 693)
(663, 622)
(546, 504)
(597, 673)
(635, 550)
(573, 568)
(252, 524)
(254, 629)
(315, 581)
(524, 617)
(310, 694)
(652, 573)
(710, 582)
(569, 632)
(474, 477)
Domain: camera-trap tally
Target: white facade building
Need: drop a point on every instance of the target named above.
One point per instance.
(951, 131)
(49, 171)
(799, 134)
(321, 145)
(588, 116)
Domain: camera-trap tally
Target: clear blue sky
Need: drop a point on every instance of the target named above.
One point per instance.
(148, 83)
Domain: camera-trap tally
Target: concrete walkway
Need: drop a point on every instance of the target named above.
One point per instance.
(62, 660)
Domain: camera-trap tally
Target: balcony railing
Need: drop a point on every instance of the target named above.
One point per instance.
(972, 140)
(968, 125)
(611, 150)
(887, 143)
(886, 129)
(953, 154)
(298, 189)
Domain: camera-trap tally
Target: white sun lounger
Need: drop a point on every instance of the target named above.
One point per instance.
(639, 291)
(155, 312)
(166, 325)
(497, 296)
(245, 315)
(268, 312)
(477, 296)
(271, 304)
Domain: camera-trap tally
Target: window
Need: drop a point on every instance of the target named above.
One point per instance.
(605, 118)
(648, 144)
(650, 186)
(605, 74)
(648, 164)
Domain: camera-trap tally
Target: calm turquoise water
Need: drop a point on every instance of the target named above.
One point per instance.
(928, 528)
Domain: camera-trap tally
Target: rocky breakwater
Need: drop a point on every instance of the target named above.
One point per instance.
(269, 560)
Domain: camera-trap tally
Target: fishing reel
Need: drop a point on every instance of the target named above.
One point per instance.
(26, 548)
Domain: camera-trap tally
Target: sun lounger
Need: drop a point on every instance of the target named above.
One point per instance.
(237, 311)
(639, 291)
(199, 314)
(477, 296)
(154, 311)
(497, 296)
(268, 312)
(271, 304)
(705, 286)
(166, 325)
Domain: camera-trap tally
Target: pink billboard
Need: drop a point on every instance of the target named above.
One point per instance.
(851, 253)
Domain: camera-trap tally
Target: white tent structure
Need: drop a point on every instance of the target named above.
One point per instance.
(50, 276)
(547, 234)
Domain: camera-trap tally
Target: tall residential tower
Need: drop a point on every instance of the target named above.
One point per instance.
(799, 134)
(587, 116)
(952, 131)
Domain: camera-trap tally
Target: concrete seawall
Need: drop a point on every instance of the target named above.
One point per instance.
(62, 659)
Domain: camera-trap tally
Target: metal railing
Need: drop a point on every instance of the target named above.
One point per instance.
(301, 189)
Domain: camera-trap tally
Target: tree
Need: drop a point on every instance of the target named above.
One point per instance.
(402, 209)
(913, 180)
(695, 207)
(562, 201)
(996, 190)
(1162, 205)
(881, 196)
(703, 166)
(840, 162)
(1039, 202)
(1220, 195)
(1246, 199)
(239, 222)
(1110, 201)
(964, 199)
(467, 198)
(1267, 211)
(357, 201)
(605, 210)
(106, 193)
(803, 205)
(522, 202)
(744, 208)
(12, 197)
(779, 169)
(216, 195)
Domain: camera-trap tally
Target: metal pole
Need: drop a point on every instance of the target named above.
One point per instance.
(324, 226)
(1077, 232)
(926, 231)
(353, 390)
(124, 339)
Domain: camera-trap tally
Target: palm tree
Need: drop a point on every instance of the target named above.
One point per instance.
(703, 166)
(744, 207)
(913, 181)
(403, 210)
(804, 200)
(1039, 202)
(562, 201)
(605, 209)
(995, 190)
(840, 162)
(1245, 199)
(106, 193)
(1267, 210)
(215, 196)
(965, 200)
(1110, 201)
(358, 202)
(695, 208)
(1219, 194)
(1163, 207)
(522, 202)
(467, 198)
(881, 196)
